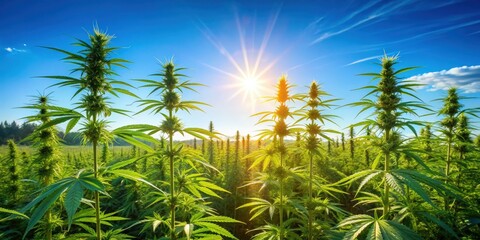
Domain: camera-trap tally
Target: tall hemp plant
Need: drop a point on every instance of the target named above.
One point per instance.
(276, 152)
(426, 141)
(390, 110)
(451, 109)
(182, 161)
(12, 162)
(456, 135)
(462, 135)
(93, 83)
(314, 132)
(46, 142)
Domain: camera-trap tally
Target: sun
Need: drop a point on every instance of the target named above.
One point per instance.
(250, 87)
(250, 84)
(251, 76)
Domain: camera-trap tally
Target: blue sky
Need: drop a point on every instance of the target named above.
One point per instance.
(327, 41)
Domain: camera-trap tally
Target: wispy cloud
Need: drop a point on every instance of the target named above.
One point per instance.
(439, 30)
(364, 60)
(331, 34)
(15, 50)
(355, 13)
(370, 12)
(466, 78)
(477, 32)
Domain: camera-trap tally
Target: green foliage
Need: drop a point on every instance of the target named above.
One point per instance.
(182, 180)
(74, 188)
(93, 64)
(315, 104)
(292, 184)
(277, 150)
(368, 227)
(13, 181)
(12, 213)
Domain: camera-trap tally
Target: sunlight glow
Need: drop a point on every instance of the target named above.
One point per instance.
(250, 79)
(250, 84)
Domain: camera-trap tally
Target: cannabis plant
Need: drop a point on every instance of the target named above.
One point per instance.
(456, 134)
(390, 109)
(451, 108)
(93, 66)
(185, 183)
(315, 131)
(12, 163)
(46, 141)
(277, 152)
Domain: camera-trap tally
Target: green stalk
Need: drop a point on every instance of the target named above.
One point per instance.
(281, 188)
(447, 167)
(48, 234)
(310, 214)
(97, 195)
(449, 157)
(386, 191)
(48, 218)
(172, 189)
(450, 109)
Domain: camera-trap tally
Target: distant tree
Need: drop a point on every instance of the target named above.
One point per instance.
(15, 132)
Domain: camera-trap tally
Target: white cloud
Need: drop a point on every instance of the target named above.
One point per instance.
(364, 59)
(466, 78)
(14, 50)
(371, 12)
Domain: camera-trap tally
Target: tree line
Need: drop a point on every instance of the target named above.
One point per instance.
(19, 132)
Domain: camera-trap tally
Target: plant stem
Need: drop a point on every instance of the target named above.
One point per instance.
(447, 167)
(172, 189)
(97, 196)
(449, 153)
(48, 217)
(310, 214)
(281, 188)
(386, 191)
(48, 214)
(48, 231)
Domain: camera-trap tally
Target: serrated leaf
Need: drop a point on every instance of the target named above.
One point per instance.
(72, 200)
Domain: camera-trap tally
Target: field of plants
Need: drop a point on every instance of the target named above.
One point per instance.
(393, 176)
